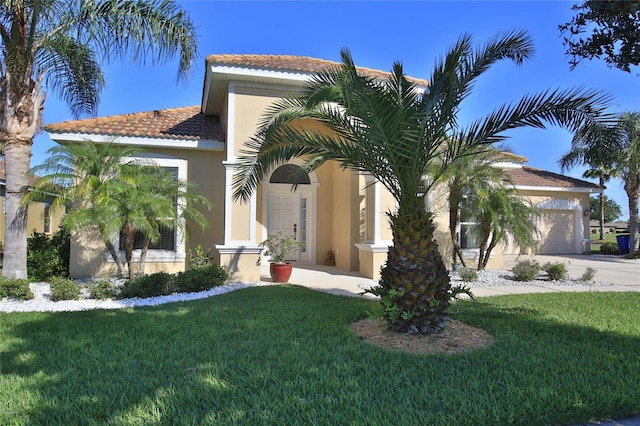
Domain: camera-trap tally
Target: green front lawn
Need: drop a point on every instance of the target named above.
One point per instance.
(285, 355)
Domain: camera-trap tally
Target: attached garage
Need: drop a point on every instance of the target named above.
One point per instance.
(557, 232)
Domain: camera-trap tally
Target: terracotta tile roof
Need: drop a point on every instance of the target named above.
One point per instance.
(185, 123)
(300, 64)
(529, 176)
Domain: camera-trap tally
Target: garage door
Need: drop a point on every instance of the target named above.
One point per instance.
(557, 232)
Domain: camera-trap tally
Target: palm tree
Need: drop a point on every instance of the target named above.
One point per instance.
(112, 194)
(147, 198)
(394, 130)
(603, 174)
(464, 178)
(502, 215)
(57, 45)
(618, 143)
(597, 153)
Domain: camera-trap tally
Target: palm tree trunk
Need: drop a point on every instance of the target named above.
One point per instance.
(128, 234)
(17, 154)
(143, 255)
(116, 258)
(602, 209)
(633, 220)
(414, 278)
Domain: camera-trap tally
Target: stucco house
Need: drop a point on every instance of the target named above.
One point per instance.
(331, 209)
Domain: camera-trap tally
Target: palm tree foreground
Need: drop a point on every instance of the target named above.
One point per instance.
(399, 132)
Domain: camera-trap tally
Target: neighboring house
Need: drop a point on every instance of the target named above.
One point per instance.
(609, 227)
(331, 209)
(40, 218)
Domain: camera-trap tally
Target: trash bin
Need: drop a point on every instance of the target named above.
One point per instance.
(624, 243)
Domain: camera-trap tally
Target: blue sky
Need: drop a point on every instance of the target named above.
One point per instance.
(378, 33)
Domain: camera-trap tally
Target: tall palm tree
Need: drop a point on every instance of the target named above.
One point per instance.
(394, 130)
(594, 150)
(57, 45)
(113, 194)
(603, 174)
(618, 142)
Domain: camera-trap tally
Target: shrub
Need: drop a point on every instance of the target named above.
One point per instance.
(63, 289)
(158, 284)
(102, 290)
(555, 271)
(14, 288)
(48, 257)
(588, 275)
(468, 274)
(609, 248)
(200, 279)
(526, 270)
(199, 259)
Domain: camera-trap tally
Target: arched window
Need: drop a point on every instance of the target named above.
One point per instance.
(290, 174)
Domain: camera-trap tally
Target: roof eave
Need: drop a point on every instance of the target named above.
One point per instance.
(201, 144)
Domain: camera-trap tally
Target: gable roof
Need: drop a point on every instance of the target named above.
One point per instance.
(530, 177)
(186, 123)
(291, 63)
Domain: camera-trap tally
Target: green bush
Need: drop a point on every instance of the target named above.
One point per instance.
(102, 290)
(63, 289)
(158, 284)
(199, 259)
(14, 288)
(200, 279)
(48, 256)
(609, 248)
(526, 270)
(555, 271)
(588, 275)
(468, 274)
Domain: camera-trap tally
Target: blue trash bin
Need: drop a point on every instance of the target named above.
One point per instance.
(624, 243)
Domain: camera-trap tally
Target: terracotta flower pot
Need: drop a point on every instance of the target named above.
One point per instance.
(280, 272)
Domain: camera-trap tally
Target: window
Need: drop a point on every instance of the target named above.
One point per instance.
(171, 245)
(291, 174)
(468, 225)
(47, 218)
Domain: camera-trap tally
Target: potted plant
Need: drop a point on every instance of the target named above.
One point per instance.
(279, 246)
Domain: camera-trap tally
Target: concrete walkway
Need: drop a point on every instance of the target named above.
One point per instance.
(623, 274)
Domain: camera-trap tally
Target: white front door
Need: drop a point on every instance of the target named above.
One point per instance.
(288, 212)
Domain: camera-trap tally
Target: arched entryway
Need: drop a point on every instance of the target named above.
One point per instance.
(292, 211)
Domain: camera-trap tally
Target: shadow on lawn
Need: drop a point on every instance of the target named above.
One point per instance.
(284, 353)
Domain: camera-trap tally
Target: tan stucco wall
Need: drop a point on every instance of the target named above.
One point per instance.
(242, 266)
(35, 219)
(346, 218)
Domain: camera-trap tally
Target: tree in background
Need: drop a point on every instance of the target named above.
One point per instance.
(603, 174)
(611, 211)
(398, 132)
(59, 45)
(620, 140)
(615, 31)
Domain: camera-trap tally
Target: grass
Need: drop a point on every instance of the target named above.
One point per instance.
(608, 238)
(285, 355)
